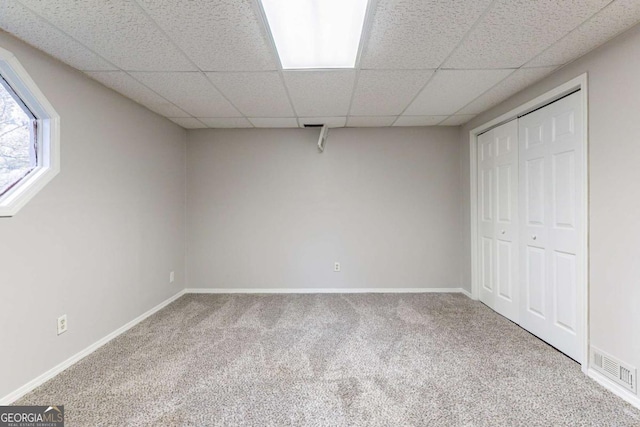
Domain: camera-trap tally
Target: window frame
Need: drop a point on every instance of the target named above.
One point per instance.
(47, 135)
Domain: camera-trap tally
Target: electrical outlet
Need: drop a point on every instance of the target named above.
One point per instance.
(172, 277)
(336, 267)
(62, 324)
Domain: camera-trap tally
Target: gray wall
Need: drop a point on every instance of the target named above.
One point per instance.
(266, 210)
(99, 241)
(614, 195)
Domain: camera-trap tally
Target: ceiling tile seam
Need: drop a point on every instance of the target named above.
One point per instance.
(262, 19)
(444, 120)
(371, 115)
(202, 123)
(326, 117)
(485, 92)
(242, 114)
(397, 69)
(524, 67)
(286, 91)
(624, 31)
(103, 58)
(444, 61)
(364, 38)
(225, 118)
(353, 92)
(61, 31)
(468, 33)
(153, 21)
(163, 32)
(267, 70)
(145, 86)
(115, 70)
(269, 117)
(181, 118)
(585, 22)
(563, 65)
(415, 96)
(153, 91)
(478, 69)
(203, 71)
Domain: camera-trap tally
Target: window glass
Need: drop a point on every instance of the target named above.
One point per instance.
(17, 139)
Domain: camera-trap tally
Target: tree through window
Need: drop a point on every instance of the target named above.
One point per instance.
(17, 139)
(29, 137)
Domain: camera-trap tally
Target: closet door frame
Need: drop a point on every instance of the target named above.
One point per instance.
(578, 83)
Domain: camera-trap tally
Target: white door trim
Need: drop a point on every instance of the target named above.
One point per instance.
(579, 82)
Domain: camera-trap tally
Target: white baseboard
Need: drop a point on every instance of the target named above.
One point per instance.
(323, 290)
(466, 293)
(17, 394)
(614, 388)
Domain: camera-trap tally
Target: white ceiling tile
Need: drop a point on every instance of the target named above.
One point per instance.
(260, 94)
(419, 120)
(609, 22)
(407, 38)
(332, 122)
(450, 90)
(418, 34)
(128, 86)
(220, 35)
(367, 122)
(386, 93)
(514, 31)
(192, 92)
(229, 122)
(26, 25)
(513, 84)
(274, 122)
(188, 122)
(457, 120)
(320, 93)
(120, 31)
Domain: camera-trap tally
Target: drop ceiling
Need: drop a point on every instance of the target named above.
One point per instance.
(212, 63)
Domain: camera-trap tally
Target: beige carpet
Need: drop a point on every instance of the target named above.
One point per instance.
(330, 360)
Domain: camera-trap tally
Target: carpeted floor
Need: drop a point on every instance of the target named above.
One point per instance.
(330, 360)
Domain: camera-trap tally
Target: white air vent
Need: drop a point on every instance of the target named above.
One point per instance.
(612, 368)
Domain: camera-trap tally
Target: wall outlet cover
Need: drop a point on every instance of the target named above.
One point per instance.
(62, 324)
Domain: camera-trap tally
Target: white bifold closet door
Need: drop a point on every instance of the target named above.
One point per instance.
(530, 204)
(498, 225)
(551, 206)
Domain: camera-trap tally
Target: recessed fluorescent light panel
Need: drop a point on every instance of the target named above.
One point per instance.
(316, 33)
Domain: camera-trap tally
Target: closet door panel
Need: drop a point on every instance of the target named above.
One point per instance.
(551, 149)
(498, 218)
(506, 223)
(486, 191)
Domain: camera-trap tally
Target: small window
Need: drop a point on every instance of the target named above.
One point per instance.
(29, 137)
(18, 142)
